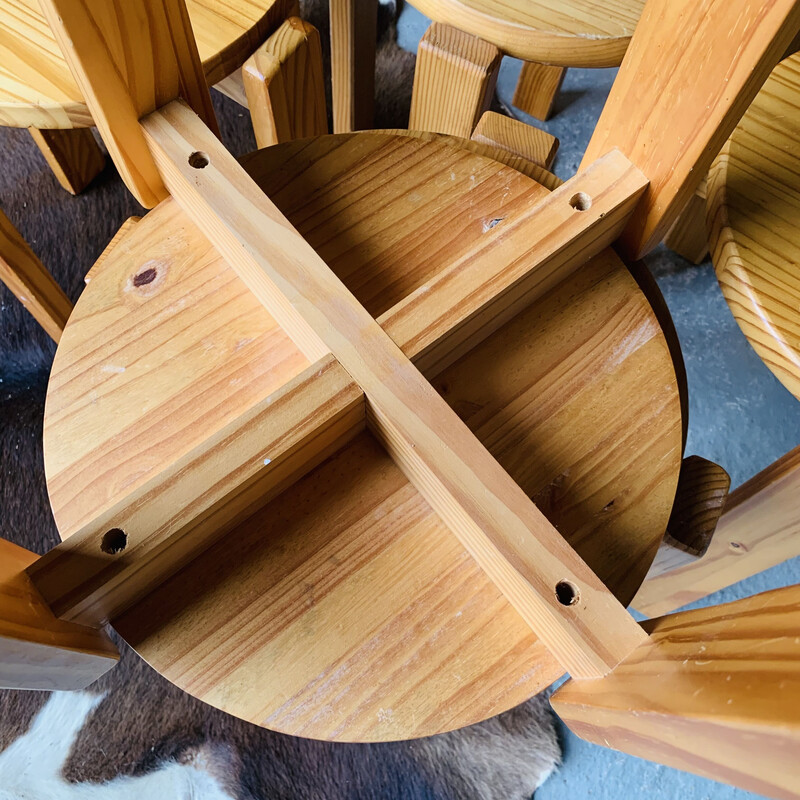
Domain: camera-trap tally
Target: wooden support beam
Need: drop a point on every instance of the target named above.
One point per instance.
(23, 273)
(72, 154)
(531, 143)
(233, 88)
(354, 26)
(537, 88)
(697, 91)
(759, 528)
(284, 84)
(714, 691)
(688, 236)
(557, 594)
(454, 81)
(38, 650)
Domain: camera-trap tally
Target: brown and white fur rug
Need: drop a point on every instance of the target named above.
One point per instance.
(133, 734)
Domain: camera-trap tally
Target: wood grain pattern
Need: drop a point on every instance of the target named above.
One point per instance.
(714, 692)
(284, 84)
(577, 33)
(537, 87)
(517, 138)
(118, 241)
(353, 32)
(759, 528)
(454, 81)
(73, 155)
(38, 650)
(688, 236)
(330, 556)
(31, 283)
(37, 89)
(754, 199)
(122, 82)
(698, 93)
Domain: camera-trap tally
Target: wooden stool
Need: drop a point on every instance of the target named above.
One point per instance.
(460, 54)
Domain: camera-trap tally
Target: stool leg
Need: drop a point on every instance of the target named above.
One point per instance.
(454, 81)
(537, 87)
(284, 85)
(30, 282)
(688, 236)
(73, 155)
(353, 29)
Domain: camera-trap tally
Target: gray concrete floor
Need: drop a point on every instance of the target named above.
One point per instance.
(740, 416)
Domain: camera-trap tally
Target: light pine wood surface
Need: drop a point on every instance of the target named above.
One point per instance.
(572, 33)
(37, 89)
(688, 236)
(38, 650)
(285, 88)
(74, 156)
(357, 616)
(537, 87)
(714, 691)
(759, 528)
(753, 212)
(517, 138)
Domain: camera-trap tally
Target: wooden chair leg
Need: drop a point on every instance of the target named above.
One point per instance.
(23, 273)
(353, 31)
(38, 650)
(759, 528)
(454, 81)
(516, 137)
(688, 237)
(284, 85)
(73, 155)
(537, 87)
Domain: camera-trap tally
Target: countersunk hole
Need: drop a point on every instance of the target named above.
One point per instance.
(144, 277)
(114, 541)
(567, 593)
(199, 159)
(581, 201)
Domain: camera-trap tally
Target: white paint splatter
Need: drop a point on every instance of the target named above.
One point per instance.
(112, 368)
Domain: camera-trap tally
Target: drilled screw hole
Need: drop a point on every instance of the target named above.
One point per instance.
(581, 201)
(567, 593)
(114, 541)
(199, 159)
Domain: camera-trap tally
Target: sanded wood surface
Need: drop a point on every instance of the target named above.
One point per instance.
(285, 85)
(715, 692)
(517, 138)
(345, 529)
(759, 528)
(37, 89)
(25, 275)
(572, 33)
(537, 87)
(753, 212)
(38, 650)
(688, 236)
(454, 81)
(692, 71)
(73, 155)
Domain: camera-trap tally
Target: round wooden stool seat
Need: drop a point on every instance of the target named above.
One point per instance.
(570, 33)
(754, 208)
(344, 608)
(37, 89)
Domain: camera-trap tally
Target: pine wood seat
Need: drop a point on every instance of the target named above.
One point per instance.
(37, 89)
(344, 608)
(753, 207)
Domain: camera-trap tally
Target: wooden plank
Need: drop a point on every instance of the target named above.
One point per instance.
(537, 88)
(714, 692)
(284, 84)
(117, 241)
(557, 594)
(38, 650)
(233, 88)
(759, 528)
(353, 33)
(697, 91)
(73, 155)
(23, 273)
(121, 83)
(688, 236)
(454, 81)
(518, 138)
